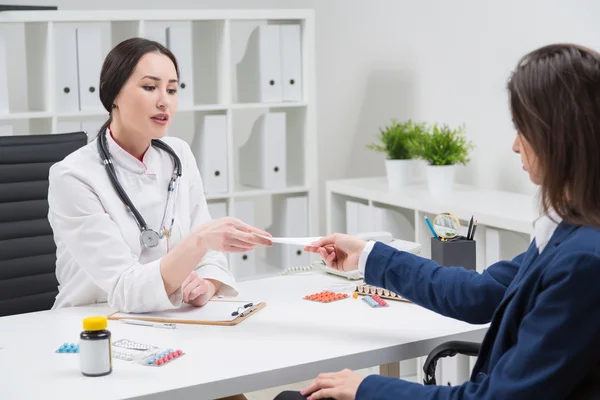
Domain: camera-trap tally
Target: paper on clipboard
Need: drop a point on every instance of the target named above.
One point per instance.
(214, 312)
(299, 241)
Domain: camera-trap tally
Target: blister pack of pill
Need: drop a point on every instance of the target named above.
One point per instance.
(375, 301)
(144, 354)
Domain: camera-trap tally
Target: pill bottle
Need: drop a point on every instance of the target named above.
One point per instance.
(95, 352)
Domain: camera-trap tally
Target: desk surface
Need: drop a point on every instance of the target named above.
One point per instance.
(290, 340)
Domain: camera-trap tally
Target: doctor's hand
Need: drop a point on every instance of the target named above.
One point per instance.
(341, 385)
(229, 234)
(339, 251)
(198, 291)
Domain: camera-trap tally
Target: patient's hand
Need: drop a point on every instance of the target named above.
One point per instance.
(341, 385)
(198, 291)
(339, 251)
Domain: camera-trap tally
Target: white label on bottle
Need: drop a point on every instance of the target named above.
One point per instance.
(95, 356)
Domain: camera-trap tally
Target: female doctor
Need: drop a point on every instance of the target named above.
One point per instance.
(542, 306)
(128, 211)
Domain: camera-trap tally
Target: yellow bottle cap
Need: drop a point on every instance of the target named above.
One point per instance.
(94, 323)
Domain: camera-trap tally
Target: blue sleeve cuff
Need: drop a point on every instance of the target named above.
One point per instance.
(383, 387)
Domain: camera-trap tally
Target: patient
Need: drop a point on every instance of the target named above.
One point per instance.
(543, 305)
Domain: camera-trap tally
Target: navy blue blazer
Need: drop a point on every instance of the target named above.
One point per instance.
(544, 338)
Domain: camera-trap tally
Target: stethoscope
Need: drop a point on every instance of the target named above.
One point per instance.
(148, 237)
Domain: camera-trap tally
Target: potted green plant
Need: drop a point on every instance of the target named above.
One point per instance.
(400, 141)
(443, 148)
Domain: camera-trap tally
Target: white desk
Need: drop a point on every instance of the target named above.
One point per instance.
(290, 340)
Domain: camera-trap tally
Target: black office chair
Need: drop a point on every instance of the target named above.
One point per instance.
(447, 349)
(27, 249)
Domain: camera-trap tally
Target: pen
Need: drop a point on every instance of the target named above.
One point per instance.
(149, 323)
(473, 231)
(470, 227)
(430, 226)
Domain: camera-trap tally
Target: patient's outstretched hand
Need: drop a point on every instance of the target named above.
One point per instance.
(339, 251)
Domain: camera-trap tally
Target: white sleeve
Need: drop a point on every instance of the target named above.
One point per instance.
(96, 244)
(214, 264)
(364, 255)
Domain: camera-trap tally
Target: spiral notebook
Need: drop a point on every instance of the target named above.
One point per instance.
(215, 312)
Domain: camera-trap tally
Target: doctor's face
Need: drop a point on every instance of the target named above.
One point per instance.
(148, 100)
(528, 158)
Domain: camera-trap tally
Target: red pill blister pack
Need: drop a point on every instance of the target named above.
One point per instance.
(326, 296)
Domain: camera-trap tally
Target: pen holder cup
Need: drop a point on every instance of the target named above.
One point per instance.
(455, 252)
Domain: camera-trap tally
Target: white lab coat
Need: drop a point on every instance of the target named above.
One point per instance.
(99, 255)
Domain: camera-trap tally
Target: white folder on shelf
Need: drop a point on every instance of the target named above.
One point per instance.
(269, 50)
(365, 218)
(290, 216)
(90, 59)
(210, 150)
(68, 126)
(243, 264)
(217, 209)
(6, 130)
(258, 74)
(179, 41)
(351, 217)
(291, 62)
(4, 100)
(65, 85)
(358, 218)
(263, 157)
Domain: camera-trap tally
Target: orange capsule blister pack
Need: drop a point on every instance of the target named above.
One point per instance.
(326, 296)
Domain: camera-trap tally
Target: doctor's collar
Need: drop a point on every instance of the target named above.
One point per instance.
(125, 159)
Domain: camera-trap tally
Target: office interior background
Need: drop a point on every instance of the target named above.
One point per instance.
(429, 60)
(432, 60)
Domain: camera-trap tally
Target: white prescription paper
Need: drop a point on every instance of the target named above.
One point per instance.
(300, 241)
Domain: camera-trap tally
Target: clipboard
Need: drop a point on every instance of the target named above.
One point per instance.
(215, 312)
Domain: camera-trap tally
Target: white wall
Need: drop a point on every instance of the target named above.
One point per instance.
(433, 60)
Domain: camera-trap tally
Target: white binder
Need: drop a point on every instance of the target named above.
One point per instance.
(352, 217)
(68, 126)
(263, 157)
(179, 41)
(359, 218)
(90, 59)
(243, 264)
(4, 104)
(290, 216)
(66, 87)
(6, 130)
(365, 218)
(291, 62)
(270, 64)
(217, 209)
(259, 72)
(210, 150)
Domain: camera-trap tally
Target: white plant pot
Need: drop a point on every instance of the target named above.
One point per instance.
(400, 173)
(440, 179)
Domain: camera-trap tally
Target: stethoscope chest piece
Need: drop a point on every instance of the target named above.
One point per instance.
(149, 238)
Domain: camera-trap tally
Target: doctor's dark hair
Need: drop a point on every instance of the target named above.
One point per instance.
(555, 104)
(118, 66)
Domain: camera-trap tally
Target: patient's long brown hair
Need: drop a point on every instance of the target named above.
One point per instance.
(555, 105)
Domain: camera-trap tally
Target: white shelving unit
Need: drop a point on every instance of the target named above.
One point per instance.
(504, 230)
(53, 71)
